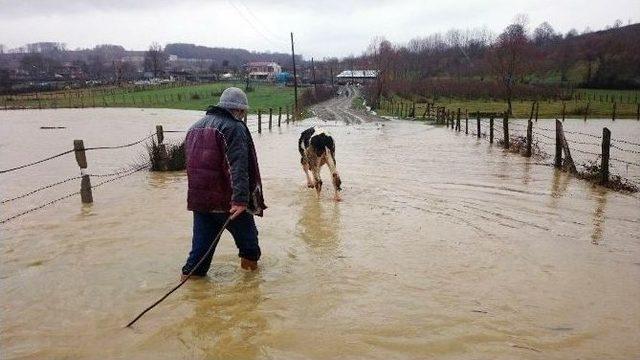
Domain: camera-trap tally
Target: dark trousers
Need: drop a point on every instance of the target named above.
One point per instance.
(205, 228)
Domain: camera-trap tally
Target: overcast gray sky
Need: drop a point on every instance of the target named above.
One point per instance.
(321, 28)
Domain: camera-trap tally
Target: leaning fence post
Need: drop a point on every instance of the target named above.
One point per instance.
(529, 138)
(259, 121)
(270, 117)
(491, 129)
(478, 133)
(505, 129)
(604, 166)
(558, 158)
(279, 115)
(85, 184)
(533, 107)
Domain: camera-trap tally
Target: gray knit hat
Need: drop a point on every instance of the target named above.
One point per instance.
(233, 98)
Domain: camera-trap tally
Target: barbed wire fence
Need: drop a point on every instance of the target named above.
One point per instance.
(80, 152)
(611, 162)
(157, 138)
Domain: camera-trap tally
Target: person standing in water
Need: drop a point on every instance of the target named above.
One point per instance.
(223, 180)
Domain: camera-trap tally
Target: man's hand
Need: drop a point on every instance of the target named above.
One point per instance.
(236, 210)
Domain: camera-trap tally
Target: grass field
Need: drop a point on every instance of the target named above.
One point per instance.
(609, 96)
(522, 109)
(190, 97)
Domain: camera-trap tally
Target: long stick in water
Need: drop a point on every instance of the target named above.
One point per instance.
(213, 246)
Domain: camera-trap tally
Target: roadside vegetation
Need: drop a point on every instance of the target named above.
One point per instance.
(521, 108)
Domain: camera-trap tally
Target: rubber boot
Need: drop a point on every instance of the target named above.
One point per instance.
(247, 264)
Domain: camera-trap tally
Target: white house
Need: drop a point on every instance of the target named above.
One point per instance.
(358, 76)
(263, 70)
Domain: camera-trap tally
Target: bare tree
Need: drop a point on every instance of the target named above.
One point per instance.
(510, 58)
(382, 54)
(544, 34)
(155, 59)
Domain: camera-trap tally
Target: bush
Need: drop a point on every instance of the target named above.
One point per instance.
(175, 157)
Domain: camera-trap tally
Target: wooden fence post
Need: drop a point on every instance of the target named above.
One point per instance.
(458, 121)
(564, 110)
(160, 134)
(537, 109)
(613, 116)
(533, 107)
(279, 115)
(85, 185)
(604, 166)
(529, 138)
(259, 121)
(505, 129)
(586, 111)
(558, 157)
(161, 148)
(466, 122)
(270, 118)
(491, 129)
(478, 125)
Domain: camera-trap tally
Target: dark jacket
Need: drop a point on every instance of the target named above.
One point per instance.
(222, 166)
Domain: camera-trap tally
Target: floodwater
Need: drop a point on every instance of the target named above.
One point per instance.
(443, 247)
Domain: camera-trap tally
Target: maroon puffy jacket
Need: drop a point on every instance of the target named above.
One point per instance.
(222, 166)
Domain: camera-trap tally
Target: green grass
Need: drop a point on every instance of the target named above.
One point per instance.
(189, 97)
(522, 109)
(356, 103)
(610, 96)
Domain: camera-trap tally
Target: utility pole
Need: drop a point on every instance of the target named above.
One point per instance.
(295, 80)
(331, 70)
(313, 70)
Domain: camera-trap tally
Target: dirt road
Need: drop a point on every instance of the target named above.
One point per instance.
(339, 108)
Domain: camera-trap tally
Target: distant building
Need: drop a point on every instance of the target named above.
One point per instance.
(357, 76)
(263, 70)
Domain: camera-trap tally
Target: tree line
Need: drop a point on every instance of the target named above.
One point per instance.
(516, 63)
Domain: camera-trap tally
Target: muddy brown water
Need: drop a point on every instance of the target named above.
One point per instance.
(443, 247)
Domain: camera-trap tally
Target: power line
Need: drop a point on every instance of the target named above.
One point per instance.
(242, 15)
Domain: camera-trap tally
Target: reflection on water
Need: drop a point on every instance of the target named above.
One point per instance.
(226, 321)
(600, 198)
(444, 247)
(319, 223)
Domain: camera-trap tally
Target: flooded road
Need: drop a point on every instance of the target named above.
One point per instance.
(443, 247)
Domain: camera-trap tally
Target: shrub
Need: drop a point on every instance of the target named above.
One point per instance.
(175, 156)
